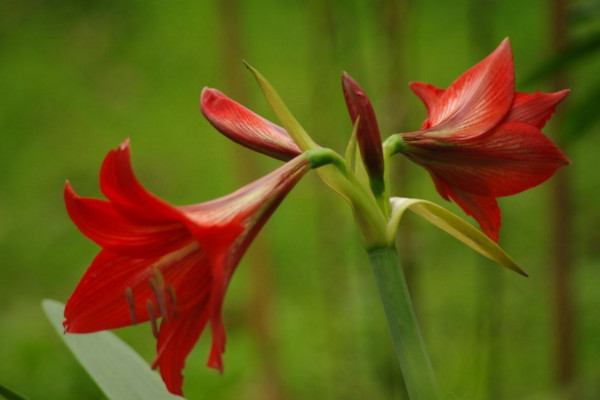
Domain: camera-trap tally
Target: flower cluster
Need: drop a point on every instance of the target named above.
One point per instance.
(171, 265)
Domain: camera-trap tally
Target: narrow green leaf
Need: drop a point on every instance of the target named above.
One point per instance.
(9, 394)
(452, 224)
(117, 369)
(291, 125)
(350, 154)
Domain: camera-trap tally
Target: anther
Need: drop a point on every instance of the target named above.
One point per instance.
(129, 296)
(152, 316)
(159, 295)
(172, 299)
(159, 276)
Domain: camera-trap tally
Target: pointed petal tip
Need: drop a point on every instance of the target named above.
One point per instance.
(215, 364)
(504, 48)
(557, 96)
(347, 78)
(125, 145)
(69, 193)
(350, 87)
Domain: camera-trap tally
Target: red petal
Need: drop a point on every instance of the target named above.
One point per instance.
(248, 202)
(535, 109)
(221, 273)
(476, 101)
(514, 157)
(175, 341)
(119, 184)
(484, 209)
(368, 137)
(98, 220)
(430, 96)
(99, 302)
(245, 127)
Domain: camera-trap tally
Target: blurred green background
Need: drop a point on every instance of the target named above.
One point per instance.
(302, 313)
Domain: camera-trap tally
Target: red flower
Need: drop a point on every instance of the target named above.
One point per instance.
(158, 260)
(245, 127)
(481, 140)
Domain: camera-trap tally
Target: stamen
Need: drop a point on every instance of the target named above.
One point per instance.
(152, 316)
(159, 276)
(172, 299)
(159, 295)
(129, 296)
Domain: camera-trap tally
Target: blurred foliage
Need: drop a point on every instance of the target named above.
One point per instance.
(9, 394)
(78, 77)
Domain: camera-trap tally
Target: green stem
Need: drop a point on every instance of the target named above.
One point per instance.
(402, 321)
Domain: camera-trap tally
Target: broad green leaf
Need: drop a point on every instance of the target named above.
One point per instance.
(291, 125)
(8, 394)
(452, 224)
(117, 369)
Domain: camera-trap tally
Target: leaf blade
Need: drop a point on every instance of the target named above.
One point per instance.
(453, 225)
(8, 394)
(117, 369)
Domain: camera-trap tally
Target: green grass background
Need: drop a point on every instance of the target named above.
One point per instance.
(78, 77)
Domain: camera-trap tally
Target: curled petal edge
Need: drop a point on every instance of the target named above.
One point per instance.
(451, 224)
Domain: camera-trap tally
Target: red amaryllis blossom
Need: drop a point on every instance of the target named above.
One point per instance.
(162, 261)
(367, 134)
(245, 127)
(481, 140)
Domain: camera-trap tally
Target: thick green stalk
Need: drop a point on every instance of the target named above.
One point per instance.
(402, 321)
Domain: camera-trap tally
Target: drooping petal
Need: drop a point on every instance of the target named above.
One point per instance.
(121, 187)
(368, 136)
(477, 101)
(515, 157)
(484, 209)
(221, 275)
(535, 109)
(99, 221)
(175, 341)
(245, 127)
